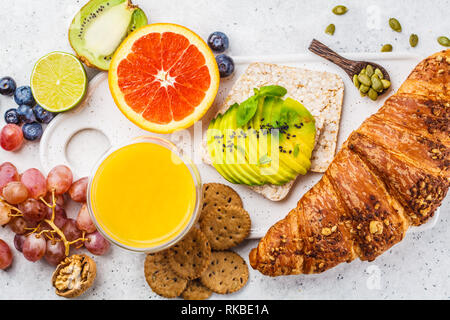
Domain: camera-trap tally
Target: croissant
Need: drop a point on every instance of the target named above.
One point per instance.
(390, 174)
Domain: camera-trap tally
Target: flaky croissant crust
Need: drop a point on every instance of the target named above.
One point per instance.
(391, 173)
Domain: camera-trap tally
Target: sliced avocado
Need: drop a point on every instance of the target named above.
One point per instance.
(284, 156)
(258, 140)
(281, 173)
(215, 146)
(285, 125)
(302, 128)
(276, 174)
(235, 155)
(100, 26)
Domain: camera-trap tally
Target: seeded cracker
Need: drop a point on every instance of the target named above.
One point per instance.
(320, 92)
(196, 291)
(190, 256)
(227, 273)
(225, 227)
(218, 195)
(160, 276)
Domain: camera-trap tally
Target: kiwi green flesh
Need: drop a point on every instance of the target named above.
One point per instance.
(241, 163)
(100, 26)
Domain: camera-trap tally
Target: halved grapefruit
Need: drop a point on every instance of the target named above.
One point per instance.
(163, 77)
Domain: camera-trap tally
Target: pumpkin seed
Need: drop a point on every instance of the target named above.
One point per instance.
(444, 41)
(386, 83)
(364, 79)
(386, 48)
(372, 94)
(339, 10)
(379, 73)
(376, 83)
(356, 81)
(413, 40)
(369, 70)
(364, 88)
(395, 25)
(330, 29)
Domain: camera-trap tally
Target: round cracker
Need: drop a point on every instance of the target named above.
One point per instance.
(225, 227)
(190, 256)
(160, 277)
(196, 291)
(218, 195)
(227, 272)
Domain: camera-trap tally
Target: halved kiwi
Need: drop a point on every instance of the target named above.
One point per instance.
(100, 26)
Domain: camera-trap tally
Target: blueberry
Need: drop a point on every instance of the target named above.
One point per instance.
(23, 95)
(7, 86)
(32, 131)
(218, 41)
(26, 113)
(12, 116)
(43, 115)
(225, 64)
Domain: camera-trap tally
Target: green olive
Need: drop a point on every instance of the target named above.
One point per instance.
(377, 85)
(413, 40)
(395, 25)
(339, 10)
(386, 48)
(444, 41)
(372, 94)
(386, 83)
(364, 79)
(356, 81)
(330, 29)
(369, 70)
(364, 88)
(379, 73)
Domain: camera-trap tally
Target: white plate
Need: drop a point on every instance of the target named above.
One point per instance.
(79, 137)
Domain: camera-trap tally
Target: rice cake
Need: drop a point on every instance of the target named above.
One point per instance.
(320, 92)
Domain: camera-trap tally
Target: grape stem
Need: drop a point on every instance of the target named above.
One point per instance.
(50, 222)
(11, 207)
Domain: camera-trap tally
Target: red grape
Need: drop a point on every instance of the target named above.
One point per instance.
(35, 182)
(31, 224)
(4, 214)
(96, 243)
(60, 216)
(18, 225)
(6, 256)
(19, 239)
(59, 199)
(8, 173)
(34, 247)
(84, 221)
(33, 210)
(15, 192)
(11, 137)
(78, 190)
(71, 231)
(55, 252)
(59, 179)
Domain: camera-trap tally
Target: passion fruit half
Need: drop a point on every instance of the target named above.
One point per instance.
(100, 26)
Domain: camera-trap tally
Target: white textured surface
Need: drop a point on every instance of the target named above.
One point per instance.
(415, 268)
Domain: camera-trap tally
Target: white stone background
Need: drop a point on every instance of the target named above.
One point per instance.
(418, 267)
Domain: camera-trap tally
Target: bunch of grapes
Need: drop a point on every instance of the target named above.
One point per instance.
(32, 205)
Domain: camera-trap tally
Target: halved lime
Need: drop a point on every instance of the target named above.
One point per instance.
(58, 81)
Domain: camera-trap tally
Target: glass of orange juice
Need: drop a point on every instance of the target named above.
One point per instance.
(144, 195)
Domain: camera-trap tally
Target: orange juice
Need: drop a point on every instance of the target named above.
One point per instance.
(142, 196)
